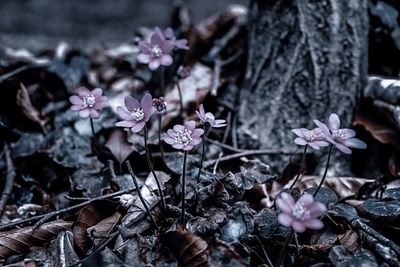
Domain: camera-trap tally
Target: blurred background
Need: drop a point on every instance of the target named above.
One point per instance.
(38, 24)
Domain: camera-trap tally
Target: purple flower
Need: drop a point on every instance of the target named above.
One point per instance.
(169, 35)
(314, 138)
(209, 118)
(156, 52)
(301, 214)
(160, 105)
(184, 137)
(184, 72)
(343, 139)
(135, 114)
(88, 103)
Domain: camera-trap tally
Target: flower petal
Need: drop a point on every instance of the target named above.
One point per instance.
(77, 107)
(97, 92)
(355, 143)
(195, 141)
(313, 145)
(316, 209)
(299, 132)
(138, 127)
(155, 39)
(84, 113)
(300, 141)
(348, 133)
(169, 34)
(123, 113)
(200, 116)
(285, 219)
(178, 128)
(182, 44)
(76, 100)
(169, 140)
(144, 58)
(82, 92)
(127, 124)
(166, 60)
(343, 148)
(306, 199)
(171, 133)
(333, 122)
(159, 32)
(298, 227)
(322, 126)
(321, 143)
(145, 47)
(167, 47)
(154, 64)
(285, 202)
(131, 103)
(197, 133)
(147, 105)
(94, 114)
(177, 146)
(313, 224)
(190, 125)
(187, 147)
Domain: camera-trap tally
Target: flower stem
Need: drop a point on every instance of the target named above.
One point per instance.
(162, 81)
(160, 144)
(284, 249)
(140, 194)
(183, 187)
(92, 127)
(152, 169)
(325, 172)
(180, 97)
(303, 160)
(203, 148)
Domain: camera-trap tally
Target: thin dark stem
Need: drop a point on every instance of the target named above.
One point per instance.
(92, 126)
(10, 177)
(140, 194)
(284, 249)
(180, 97)
(162, 81)
(152, 169)
(303, 160)
(160, 144)
(325, 172)
(203, 148)
(183, 188)
(268, 260)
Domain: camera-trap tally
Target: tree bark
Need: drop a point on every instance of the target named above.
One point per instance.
(307, 59)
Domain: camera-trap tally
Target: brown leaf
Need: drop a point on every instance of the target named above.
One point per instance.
(25, 104)
(189, 249)
(350, 240)
(119, 146)
(20, 241)
(89, 216)
(103, 228)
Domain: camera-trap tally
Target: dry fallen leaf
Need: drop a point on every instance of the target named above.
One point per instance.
(20, 241)
(189, 249)
(119, 146)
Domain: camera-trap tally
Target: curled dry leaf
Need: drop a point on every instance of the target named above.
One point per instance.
(20, 241)
(103, 228)
(189, 249)
(25, 104)
(89, 216)
(350, 240)
(119, 146)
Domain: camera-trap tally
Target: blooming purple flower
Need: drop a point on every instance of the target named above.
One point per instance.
(156, 52)
(160, 105)
(184, 72)
(135, 114)
(184, 137)
(314, 138)
(343, 139)
(169, 35)
(88, 103)
(301, 214)
(209, 118)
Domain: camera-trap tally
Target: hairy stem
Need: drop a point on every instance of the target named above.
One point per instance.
(325, 172)
(203, 148)
(140, 194)
(303, 160)
(160, 144)
(284, 249)
(180, 97)
(92, 127)
(152, 169)
(162, 80)
(183, 187)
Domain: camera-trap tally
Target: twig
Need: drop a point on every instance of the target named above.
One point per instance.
(225, 146)
(62, 211)
(10, 177)
(8, 75)
(140, 194)
(269, 262)
(245, 153)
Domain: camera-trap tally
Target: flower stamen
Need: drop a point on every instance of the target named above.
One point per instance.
(156, 51)
(137, 114)
(89, 101)
(183, 137)
(300, 212)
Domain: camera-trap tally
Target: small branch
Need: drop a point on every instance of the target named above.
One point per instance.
(10, 177)
(246, 153)
(50, 215)
(8, 75)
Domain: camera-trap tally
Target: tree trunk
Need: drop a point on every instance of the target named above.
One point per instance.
(307, 59)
